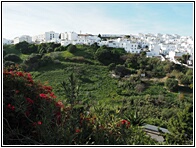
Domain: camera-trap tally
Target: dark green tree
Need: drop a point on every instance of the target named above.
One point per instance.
(72, 48)
(12, 57)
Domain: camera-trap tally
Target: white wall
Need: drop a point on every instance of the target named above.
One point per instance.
(23, 38)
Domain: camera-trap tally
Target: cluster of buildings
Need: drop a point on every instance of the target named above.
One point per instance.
(155, 45)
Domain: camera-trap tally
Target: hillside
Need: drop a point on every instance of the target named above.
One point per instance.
(89, 70)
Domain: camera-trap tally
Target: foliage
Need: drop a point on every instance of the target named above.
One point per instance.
(171, 84)
(4, 52)
(184, 58)
(72, 48)
(181, 127)
(107, 56)
(121, 70)
(26, 106)
(111, 66)
(130, 100)
(32, 116)
(12, 57)
(8, 63)
(47, 47)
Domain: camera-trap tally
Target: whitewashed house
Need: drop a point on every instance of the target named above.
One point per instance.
(111, 43)
(154, 50)
(46, 37)
(22, 38)
(175, 54)
(166, 48)
(65, 42)
(131, 47)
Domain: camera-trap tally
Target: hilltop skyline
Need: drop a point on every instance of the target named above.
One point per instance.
(33, 18)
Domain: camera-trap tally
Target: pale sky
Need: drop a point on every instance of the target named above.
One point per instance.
(33, 18)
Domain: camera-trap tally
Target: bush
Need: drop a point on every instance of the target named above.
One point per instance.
(185, 80)
(121, 70)
(33, 62)
(72, 48)
(140, 88)
(171, 84)
(8, 63)
(111, 66)
(27, 106)
(12, 57)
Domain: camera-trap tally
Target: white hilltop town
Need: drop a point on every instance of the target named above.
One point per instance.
(164, 46)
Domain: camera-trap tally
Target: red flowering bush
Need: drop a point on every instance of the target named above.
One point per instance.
(26, 105)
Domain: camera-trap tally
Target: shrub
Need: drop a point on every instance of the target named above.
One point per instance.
(72, 48)
(111, 66)
(140, 88)
(8, 63)
(171, 84)
(12, 57)
(185, 80)
(27, 106)
(121, 70)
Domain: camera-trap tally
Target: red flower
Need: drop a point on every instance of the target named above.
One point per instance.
(29, 75)
(11, 107)
(48, 88)
(39, 122)
(20, 74)
(52, 95)
(29, 101)
(125, 122)
(77, 130)
(30, 80)
(43, 95)
(59, 104)
(11, 72)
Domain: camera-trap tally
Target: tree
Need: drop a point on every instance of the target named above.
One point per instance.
(181, 127)
(171, 84)
(99, 35)
(185, 80)
(111, 66)
(22, 45)
(72, 48)
(106, 56)
(12, 57)
(121, 70)
(184, 58)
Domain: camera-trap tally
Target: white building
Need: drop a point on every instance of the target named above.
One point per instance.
(65, 42)
(45, 37)
(166, 48)
(131, 47)
(175, 54)
(154, 50)
(23, 38)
